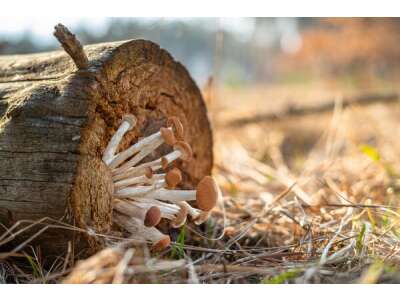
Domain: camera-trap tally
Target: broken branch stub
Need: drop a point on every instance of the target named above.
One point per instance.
(56, 124)
(72, 46)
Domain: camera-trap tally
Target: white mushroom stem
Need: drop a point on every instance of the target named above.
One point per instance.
(194, 213)
(180, 217)
(129, 209)
(151, 142)
(139, 170)
(172, 156)
(206, 194)
(198, 216)
(181, 150)
(128, 122)
(141, 232)
(204, 215)
(139, 156)
(165, 208)
(173, 196)
(143, 179)
(131, 192)
(149, 216)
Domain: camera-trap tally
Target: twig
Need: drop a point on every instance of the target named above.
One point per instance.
(71, 45)
(122, 265)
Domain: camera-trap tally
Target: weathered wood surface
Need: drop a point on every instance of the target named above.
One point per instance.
(56, 121)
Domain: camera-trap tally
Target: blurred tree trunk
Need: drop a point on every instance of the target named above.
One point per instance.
(320, 107)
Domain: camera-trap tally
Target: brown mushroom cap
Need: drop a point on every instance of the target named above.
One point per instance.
(131, 119)
(153, 217)
(173, 177)
(185, 149)
(164, 163)
(148, 172)
(207, 194)
(168, 136)
(161, 244)
(180, 218)
(177, 126)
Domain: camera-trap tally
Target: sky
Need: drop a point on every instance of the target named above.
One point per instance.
(42, 27)
(41, 31)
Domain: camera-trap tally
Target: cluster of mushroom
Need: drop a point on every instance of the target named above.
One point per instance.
(144, 191)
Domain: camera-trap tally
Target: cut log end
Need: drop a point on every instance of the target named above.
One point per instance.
(52, 145)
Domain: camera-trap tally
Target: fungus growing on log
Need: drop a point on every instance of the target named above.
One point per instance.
(173, 178)
(143, 199)
(57, 117)
(149, 216)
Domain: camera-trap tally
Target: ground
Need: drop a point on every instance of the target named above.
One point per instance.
(306, 199)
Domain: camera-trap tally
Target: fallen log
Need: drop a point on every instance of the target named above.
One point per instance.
(57, 116)
(325, 106)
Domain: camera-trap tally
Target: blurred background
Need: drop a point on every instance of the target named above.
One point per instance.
(305, 103)
(240, 51)
(250, 69)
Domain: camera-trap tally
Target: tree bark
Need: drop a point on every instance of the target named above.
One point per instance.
(56, 120)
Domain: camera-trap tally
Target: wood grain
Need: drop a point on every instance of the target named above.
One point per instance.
(56, 121)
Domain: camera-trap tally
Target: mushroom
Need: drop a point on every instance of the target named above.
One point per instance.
(142, 169)
(168, 210)
(138, 157)
(168, 136)
(159, 240)
(206, 194)
(173, 178)
(149, 216)
(130, 192)
(144, 147)
(128, 122)
(194, 213)
(174, 212)
(148, 178)
(198, 216)
(148, 172)
(180, 217)
(177, 213)
(204, 215)
(143, 197)
(175, 123)
(182, 150)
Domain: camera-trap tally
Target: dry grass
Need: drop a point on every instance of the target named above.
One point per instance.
(306, 200)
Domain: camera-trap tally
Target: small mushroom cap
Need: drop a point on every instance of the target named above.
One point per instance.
(164, 163)
(207, 194)
(148, 172)
(185, 149)
(173, 177)
(168, 136)
(153, 217)
(161, 244)
(177, 126)
(131, 119)
(180, 218)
